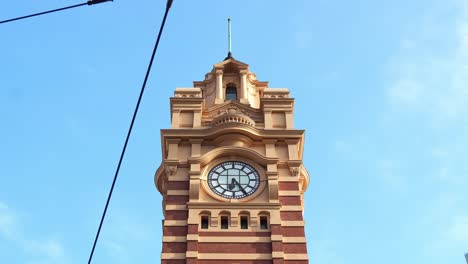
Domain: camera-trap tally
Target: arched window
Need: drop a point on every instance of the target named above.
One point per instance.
(244, 218)
(264, 222)
(224, 221)
(205, 222)
(244, 222)
(231, 92)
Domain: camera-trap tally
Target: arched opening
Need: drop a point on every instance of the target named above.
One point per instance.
(205, 220)
(264, 220)
(231, 91)
(244, 220)
(224, 219)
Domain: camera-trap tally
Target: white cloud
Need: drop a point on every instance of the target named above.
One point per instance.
(40, 251)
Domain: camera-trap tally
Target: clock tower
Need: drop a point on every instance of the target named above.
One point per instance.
(232, 177)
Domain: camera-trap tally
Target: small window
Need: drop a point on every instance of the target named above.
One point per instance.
(231, 92)
(224, 222)
(263, 222)
(244, 222)
(204, 222)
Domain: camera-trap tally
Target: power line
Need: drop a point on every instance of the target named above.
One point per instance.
(168, 6)
(90, 2)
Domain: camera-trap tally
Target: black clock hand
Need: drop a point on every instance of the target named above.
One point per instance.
(238, 184)
(232, 184)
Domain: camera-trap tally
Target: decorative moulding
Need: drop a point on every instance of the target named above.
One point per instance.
(188, 93)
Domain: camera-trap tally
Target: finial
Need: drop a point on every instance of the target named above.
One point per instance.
(229, 39)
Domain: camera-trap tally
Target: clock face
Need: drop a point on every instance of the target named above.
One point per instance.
(233, 180)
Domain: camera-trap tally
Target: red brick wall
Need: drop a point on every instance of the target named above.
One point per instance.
(277, 246)
(192, 245)
(178, 185)
(237, 234)
(177, 215)
(293, 231)
(288, 186)
(235, 262)
(173, 261)
(234, 248)
(174, 231)
(192, 229)
(290, 200)
(176, 199)
(291, 216)
(295, 248)
(174, 247)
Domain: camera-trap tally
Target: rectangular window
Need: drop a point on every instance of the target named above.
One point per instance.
(263, 222)
(244, 222)
(224, 222)
(231, 92)
(204, 222)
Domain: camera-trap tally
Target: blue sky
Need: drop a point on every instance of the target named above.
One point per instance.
(381, 89)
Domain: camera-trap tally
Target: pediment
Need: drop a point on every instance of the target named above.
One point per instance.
(231, 65)
(232, 107)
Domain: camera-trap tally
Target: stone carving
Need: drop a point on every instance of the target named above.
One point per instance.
(171, 170)
(232, 115)
(295, 170)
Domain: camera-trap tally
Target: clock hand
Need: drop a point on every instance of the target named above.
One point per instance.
(238, 184)
(232, 184)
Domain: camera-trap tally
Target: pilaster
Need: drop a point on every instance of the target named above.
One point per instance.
(219, 87)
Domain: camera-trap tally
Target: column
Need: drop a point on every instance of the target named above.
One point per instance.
(219, 87)
(244, 92)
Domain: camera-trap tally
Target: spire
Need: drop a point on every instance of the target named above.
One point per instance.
(229, 40)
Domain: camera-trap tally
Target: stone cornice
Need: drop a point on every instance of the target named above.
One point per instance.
(233, 205)
(252, 132)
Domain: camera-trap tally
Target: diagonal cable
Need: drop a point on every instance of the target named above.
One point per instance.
(90, 2)
(168, 6)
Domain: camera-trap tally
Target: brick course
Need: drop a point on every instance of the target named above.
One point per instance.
(235, 262)
(173, 261)
(235, 234)
(174, 231)
(176, 199)
(291, 216)
(174, 247)
(288, 186)
(296, 248)
(177, 215)
(192, 229)
(178, 185)
(290, 200)
(293, 231)
(234, 248)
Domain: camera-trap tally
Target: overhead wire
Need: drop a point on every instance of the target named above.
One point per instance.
(90, 2)
(168, 6)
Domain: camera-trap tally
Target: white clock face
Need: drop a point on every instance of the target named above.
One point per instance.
(233, 180)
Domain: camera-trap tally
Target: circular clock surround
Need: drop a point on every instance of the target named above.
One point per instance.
(233, 179)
